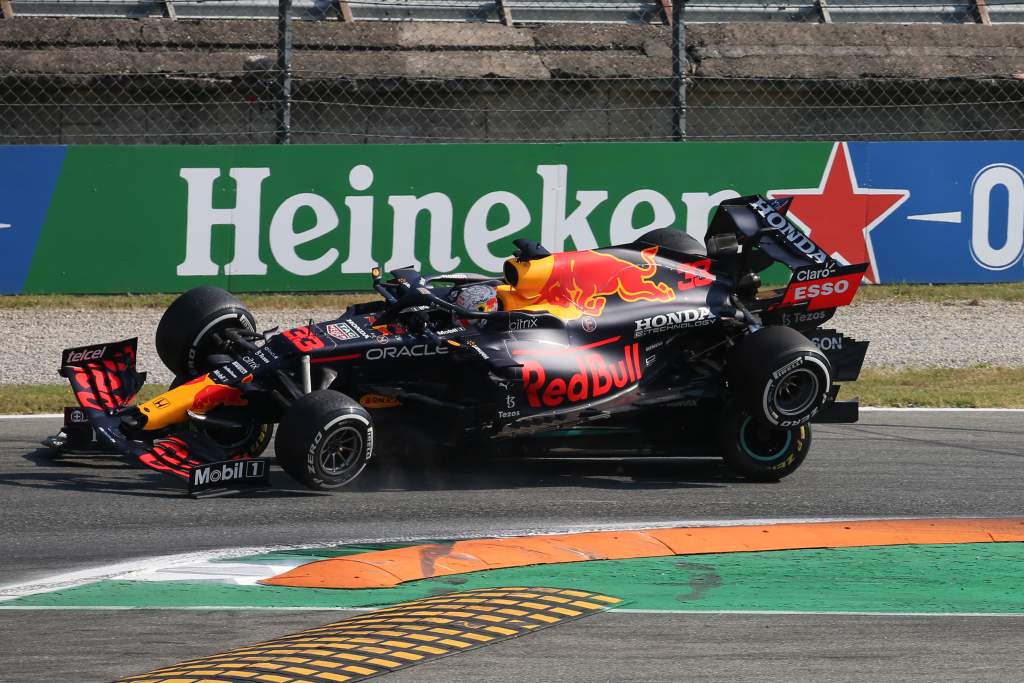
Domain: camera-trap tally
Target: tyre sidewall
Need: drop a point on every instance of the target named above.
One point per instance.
(314, 469)
(231, 318)
(767, 403)
(734, 444)
(763, 361)
(306, 428)
(184, 333)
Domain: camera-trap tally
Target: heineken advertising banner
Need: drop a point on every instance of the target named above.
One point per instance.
(306, 218)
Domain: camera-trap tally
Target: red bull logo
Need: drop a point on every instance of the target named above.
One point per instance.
(578, 283)
(595, 378)
(585, 279)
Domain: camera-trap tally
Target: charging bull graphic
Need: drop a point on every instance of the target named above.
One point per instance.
(578, 283)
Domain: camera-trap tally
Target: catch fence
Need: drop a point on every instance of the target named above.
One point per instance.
(394, 71)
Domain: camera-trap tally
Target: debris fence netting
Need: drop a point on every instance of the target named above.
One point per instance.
(394, 71)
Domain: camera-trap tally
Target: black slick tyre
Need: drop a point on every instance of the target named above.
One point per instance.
(757, 452)
(779, 376)
(191, 326)
(324, 440)
(248, 440)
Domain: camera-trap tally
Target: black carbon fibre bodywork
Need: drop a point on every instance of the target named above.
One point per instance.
(626, 344)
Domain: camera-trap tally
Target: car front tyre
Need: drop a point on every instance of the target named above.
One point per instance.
(324, 440)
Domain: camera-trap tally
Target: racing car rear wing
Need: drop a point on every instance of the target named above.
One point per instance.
(750, 233)
(760, 225)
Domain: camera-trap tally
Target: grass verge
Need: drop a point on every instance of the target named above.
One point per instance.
(1013, 291)
(24, 399)
(308, 301)
(977, 387)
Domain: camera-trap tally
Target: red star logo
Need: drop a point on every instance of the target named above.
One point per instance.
(839, 214)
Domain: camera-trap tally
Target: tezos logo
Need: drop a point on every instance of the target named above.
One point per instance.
(588, 324)
(797, 318)
(690, 317)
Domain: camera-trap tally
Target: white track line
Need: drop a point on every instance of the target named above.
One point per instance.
(882, 409)
(126, 569)
(189, 608)
(626, 610)
(33, 416)
(613, 610)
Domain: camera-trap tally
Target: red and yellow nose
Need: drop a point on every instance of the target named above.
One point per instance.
(199, 395)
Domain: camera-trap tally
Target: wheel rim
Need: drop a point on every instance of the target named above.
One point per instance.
(342, 451)
(764, 444)
(233, 438)
(797, 392)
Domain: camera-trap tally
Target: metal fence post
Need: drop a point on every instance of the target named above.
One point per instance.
(678, 71)
(284, 72)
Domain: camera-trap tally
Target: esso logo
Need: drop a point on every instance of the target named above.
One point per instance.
(995, 181)
(823, 289)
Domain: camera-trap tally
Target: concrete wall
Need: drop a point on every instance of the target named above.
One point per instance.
(156, 80)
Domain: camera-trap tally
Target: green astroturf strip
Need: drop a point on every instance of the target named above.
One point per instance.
(984, 577)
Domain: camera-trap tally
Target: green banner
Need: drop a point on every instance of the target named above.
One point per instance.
(309, 218)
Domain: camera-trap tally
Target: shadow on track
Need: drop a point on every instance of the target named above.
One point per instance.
(544, 472)
(111, 475)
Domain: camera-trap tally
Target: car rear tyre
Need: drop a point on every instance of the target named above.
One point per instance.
(324, 440)
(779, 376)
(191, 328)
(757, 452)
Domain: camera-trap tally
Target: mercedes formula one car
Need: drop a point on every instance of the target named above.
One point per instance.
(664, 345)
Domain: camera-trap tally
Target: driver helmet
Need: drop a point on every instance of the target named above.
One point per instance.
(482, 298)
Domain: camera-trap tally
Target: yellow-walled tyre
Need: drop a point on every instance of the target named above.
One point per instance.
(757, 452)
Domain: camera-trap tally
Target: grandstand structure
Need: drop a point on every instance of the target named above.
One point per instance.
(542, 11)
(397, 71)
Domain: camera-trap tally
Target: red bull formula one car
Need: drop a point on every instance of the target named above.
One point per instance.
(664, 345)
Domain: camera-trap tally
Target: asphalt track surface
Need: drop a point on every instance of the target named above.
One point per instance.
(76, 513)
